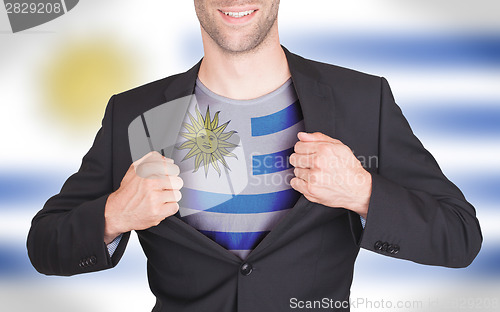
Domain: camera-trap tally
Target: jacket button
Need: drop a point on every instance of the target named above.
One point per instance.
(390, 249)
(395, 249)
(83, 263)
(246, 269)
(378, 245)
(93, 260)
(384, 246)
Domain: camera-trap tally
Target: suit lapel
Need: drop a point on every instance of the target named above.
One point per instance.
(316, 99)
(182, 84)
(317, 104)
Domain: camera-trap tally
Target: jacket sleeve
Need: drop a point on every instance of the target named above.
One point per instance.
(415, 212)
(67, 236)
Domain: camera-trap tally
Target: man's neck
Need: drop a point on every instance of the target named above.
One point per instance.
(244, 76)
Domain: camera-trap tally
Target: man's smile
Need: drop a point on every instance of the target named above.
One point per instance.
(237, 15)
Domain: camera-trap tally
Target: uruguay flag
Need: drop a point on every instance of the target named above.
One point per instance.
(233, 157)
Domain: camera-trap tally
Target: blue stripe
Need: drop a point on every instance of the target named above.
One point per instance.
(269, 163)
(13, 260)
(474, 119)
(236, 240)
(14, 263)
(25, 186)
(479, 189)
(420, 49)
(487, 261)
(242, 203)
(278, 121)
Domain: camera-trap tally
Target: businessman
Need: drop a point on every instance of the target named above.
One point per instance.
(215, 243)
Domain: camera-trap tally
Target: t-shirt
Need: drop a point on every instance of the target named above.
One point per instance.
(233, 156)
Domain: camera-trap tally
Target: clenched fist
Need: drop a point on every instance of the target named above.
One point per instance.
(327, 172)
(148, 193)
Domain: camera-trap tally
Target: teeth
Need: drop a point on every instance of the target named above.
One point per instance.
(239, 14)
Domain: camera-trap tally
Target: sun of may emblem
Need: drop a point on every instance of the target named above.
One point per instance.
(207, 141)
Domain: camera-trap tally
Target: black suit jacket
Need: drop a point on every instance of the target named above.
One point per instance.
(415, 212)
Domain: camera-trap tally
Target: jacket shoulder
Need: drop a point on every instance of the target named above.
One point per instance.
(151, 90)
(132, 103)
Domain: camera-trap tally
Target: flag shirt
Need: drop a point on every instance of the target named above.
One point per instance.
(234, 160)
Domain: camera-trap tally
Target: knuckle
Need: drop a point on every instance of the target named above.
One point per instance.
(159, 219)
(311, 198)
(144, 170)
(151, 199)
(314, 177)
(166, 196)
(311, 190)
(143, 166)
(317, 161)
(181, 182)
(323, 148)
(155, 154)
(155, 210)
(176, 182)
(172, 208)
(305, 162)
(297, 147)
(177, 195)
(173, 169)
(346, 150)
(169, 183)
(148, 184)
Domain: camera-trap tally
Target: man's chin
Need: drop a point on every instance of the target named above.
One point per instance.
(239, 46)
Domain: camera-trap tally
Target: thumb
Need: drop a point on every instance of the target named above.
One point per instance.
(152, 156)
(316, 137)
(143, 158)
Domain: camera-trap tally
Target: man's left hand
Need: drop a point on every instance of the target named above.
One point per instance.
(327, 172)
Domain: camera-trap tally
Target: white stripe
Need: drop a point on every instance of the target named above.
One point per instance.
(446, 87)
(478, 157)
(14, 225)
(228, 222)
(240, 253)
(275, 142)
(268, 183)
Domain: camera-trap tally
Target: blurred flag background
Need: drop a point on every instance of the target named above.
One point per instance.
(441, 57)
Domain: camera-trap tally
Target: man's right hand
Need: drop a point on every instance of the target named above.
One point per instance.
(148, 194)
